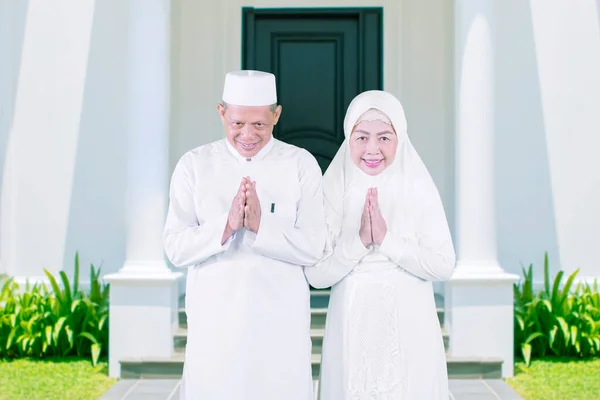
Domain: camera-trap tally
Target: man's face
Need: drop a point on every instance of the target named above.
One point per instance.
(373, 146)
(248, 129)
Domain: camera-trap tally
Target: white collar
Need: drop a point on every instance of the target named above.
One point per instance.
(259, 156)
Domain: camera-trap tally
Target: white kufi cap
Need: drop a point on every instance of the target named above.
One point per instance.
(250, 88)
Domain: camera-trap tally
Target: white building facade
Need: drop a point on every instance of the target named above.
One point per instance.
(99, 99)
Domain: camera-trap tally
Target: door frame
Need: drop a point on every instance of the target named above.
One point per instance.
(365, 16)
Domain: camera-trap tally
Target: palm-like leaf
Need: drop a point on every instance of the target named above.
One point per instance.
(562, 319)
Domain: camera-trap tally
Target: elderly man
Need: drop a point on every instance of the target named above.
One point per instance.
(245, 216)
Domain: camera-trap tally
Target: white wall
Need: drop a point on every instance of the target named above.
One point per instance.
(70, 100)
(64, 90)
(67, 152)
(417, 69)
(546, 58)
(66, 160)
(548, 134)
(427, 88)
(12, 26)
(97, 205)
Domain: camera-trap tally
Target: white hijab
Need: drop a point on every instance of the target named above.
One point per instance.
(408, 197)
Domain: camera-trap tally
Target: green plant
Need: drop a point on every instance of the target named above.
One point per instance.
(556, 320)
(38, 322)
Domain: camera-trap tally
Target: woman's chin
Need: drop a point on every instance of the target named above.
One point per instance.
(373, 169)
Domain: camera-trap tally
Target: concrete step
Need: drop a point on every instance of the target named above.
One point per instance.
(319, 298)
(319, 301)
(316, 336)
(147, 368)
(180, 340)
(317, 318)
(172, 367)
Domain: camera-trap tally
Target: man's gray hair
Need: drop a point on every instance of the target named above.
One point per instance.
(272, 107)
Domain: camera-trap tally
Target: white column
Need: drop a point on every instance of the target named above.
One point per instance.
(476, 227)
(8, 81)
(144, 293)
(6, 93)
(45, 61)
(479, 297)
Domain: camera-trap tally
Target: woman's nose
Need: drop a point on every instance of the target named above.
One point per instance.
(373, 147)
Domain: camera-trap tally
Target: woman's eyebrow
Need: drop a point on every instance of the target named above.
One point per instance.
(386, 132)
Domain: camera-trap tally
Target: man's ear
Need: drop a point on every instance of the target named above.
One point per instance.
(277, 114)
(221, 110)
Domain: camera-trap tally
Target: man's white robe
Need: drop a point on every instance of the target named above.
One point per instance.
(247, 301)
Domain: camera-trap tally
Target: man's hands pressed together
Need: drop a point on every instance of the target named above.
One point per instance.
(252, 210)
(245, 210)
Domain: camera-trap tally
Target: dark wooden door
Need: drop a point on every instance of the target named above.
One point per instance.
(322, 58)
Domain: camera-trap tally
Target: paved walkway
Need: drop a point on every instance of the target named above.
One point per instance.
(156, 389)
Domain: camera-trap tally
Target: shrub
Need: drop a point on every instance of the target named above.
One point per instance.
(556, 320)
(37, 322)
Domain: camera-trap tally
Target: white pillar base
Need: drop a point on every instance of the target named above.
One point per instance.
(480, 313)
(143, 313)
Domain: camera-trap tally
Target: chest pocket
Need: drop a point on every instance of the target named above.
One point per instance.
(279, 191)
(281, 205)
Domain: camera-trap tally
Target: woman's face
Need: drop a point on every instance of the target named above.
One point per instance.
(373, 146)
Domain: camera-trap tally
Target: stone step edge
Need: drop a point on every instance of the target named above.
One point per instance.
(315, 359)
(313, 311)
(314, 332)
(327, 292)
(316, 310)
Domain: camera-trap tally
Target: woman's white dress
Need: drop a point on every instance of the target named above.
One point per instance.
(383, 340)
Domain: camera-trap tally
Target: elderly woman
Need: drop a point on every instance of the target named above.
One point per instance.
(388, 240)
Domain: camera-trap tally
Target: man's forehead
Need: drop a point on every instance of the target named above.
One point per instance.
(247, 110)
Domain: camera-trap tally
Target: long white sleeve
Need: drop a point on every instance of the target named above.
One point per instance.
(429, 254)
(188, 241)
(420, 256)
(341, 257)
(303, 243)
(344, 249)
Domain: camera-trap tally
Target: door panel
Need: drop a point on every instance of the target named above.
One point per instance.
(321, 59)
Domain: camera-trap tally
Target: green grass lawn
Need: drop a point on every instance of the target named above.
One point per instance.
(558, 379)
(60, 378)
(75, 378)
